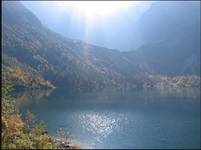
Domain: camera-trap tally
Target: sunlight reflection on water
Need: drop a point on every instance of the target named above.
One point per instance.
(142, 119)
(100, 125)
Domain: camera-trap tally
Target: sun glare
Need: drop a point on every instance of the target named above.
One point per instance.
(92, 10)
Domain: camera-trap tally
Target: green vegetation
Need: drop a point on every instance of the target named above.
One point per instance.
(18, 133)
(22, 79)
(35, 57)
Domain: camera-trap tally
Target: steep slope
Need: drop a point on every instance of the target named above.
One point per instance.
(165, 20)
(114, 31)
(129, 29)
(34, 56)
(171, 35)
(39, 52)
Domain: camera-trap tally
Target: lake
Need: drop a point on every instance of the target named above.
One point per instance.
(119, 119)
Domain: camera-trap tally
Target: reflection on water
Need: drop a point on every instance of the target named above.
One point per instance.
(100, 125)
(24, 97)
(120, 119)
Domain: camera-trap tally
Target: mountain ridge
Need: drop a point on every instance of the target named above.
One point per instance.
(59, 60)
(34, 56)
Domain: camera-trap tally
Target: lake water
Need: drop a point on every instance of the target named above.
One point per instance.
(119, 119)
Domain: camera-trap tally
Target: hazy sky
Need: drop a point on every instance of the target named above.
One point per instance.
(102, 23)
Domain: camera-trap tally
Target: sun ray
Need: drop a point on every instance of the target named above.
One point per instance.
(94, 10)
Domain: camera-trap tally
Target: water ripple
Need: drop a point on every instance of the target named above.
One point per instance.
(100, 125)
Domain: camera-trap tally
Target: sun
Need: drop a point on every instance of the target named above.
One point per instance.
(93, 10)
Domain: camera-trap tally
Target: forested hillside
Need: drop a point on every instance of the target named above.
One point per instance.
(35, 57)
(31, 51)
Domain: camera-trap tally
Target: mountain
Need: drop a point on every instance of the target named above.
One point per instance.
(116, 31)
(35, 56)
(165, 20)
(171, 36)
(140, 24)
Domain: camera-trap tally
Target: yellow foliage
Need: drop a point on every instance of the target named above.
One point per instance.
(15, 122)
(12, 124)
